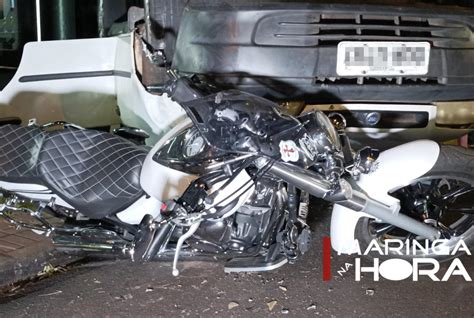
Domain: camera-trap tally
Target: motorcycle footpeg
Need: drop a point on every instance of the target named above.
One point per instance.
(254, 264)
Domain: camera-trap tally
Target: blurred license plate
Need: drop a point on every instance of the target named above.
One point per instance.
(382, 58)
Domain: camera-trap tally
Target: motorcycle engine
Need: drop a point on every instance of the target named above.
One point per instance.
(248, 228)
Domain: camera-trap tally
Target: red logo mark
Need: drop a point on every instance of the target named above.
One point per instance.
(288, 150)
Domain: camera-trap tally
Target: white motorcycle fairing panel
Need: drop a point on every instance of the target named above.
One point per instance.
(396, 168)
(143, 206)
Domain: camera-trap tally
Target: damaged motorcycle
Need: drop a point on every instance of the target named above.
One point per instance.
(232, 182)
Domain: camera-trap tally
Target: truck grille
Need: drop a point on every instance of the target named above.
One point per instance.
(311, 29)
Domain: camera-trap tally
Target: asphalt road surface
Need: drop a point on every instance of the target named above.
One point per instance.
(123, 289)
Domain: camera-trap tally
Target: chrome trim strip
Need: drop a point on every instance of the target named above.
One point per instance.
(255, 269)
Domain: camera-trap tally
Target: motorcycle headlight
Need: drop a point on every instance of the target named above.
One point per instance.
(193, 143)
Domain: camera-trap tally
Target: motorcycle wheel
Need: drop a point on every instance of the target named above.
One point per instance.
(443, 197)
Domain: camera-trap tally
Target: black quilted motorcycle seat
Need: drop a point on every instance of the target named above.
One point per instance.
(96, 172)
(19, 150)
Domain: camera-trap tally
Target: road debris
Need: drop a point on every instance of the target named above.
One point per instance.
(50, 269)
(271, 304)
(370, 291)
(232, 305)
(51, 294)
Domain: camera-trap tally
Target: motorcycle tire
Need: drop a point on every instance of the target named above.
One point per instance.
(455, 165)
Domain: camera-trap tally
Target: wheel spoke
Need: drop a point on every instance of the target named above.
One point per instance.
(382, 228)
(455, 193)
(447, 201)
(446, 231)
(435, 185)
(469, 210)
(411, 236)
(442, 201)
(464, 226)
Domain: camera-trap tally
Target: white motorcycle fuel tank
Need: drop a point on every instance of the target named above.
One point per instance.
(161, 182)
(164, 183)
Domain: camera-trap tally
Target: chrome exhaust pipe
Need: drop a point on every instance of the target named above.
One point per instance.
(312, 183)
(90, 240)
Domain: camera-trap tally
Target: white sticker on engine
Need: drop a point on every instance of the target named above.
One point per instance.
(308, 146)
(289, 151)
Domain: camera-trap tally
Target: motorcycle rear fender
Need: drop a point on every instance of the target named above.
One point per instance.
(395, 168)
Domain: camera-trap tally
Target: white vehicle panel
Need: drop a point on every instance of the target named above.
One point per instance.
(39, 89)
